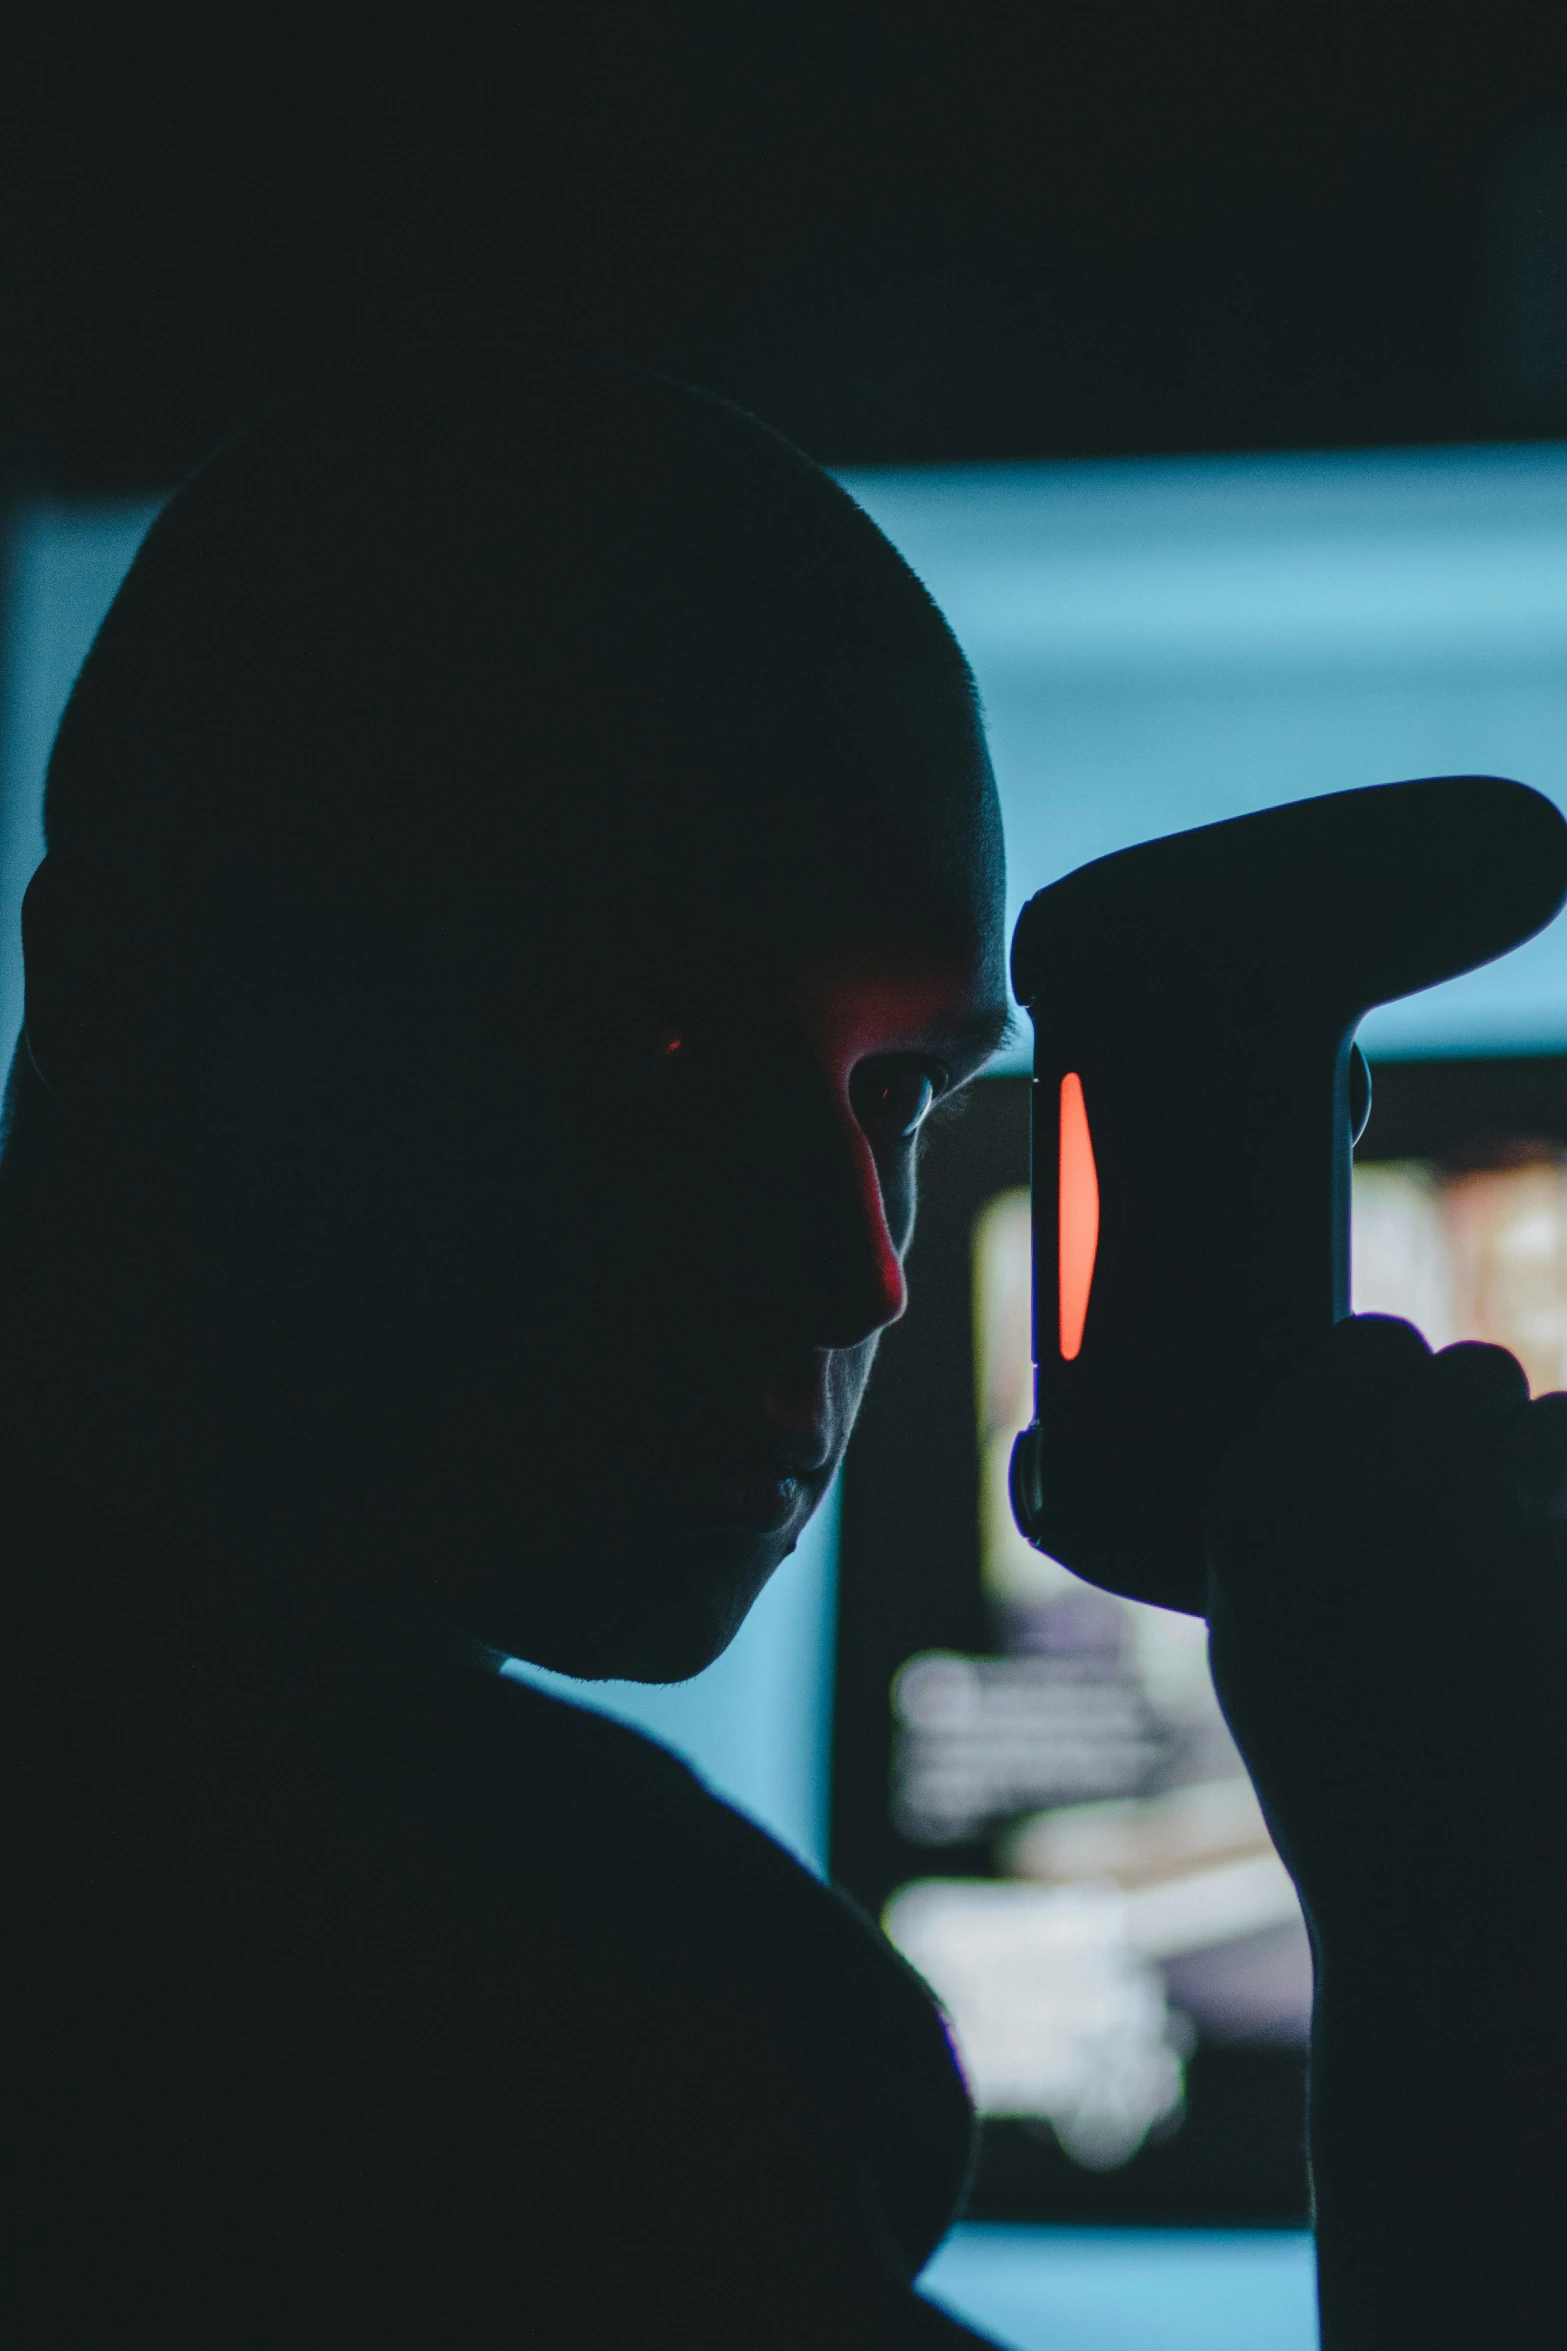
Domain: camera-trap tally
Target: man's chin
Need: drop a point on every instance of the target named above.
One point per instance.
(663, 1615)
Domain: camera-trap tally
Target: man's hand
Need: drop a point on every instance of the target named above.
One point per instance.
(1388, 1631)
(1388, 1614)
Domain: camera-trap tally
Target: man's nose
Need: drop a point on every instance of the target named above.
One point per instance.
(858, 1285)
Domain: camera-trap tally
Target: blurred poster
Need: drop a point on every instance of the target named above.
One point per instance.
(1138, 1906)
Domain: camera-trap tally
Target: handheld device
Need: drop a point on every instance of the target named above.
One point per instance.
(1197, 1093)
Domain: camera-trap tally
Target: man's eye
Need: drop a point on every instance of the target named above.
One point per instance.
(891, 1097)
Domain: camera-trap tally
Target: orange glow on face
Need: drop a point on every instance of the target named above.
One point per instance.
(1079, 1215)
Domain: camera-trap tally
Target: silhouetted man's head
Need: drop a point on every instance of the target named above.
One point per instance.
(522, 860)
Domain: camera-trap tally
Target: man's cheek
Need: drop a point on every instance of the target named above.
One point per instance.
(896, 1174)
(848, 1378)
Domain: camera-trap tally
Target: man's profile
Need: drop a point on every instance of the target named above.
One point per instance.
(522, 865)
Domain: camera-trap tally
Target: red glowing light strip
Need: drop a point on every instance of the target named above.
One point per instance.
(1079, 1215)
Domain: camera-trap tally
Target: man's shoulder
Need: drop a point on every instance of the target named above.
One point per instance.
(584, 1801)
(605, 1831)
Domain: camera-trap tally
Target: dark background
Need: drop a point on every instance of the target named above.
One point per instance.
(920, 229)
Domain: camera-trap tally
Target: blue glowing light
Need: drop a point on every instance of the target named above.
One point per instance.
(1106, 2289)
(1164, 643)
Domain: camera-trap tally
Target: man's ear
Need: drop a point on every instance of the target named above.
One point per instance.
(99, 1022)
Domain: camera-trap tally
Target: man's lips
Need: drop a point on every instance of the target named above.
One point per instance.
(758, 1497)
(728, 1498)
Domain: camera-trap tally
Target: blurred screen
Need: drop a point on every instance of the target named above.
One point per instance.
(1138, 1900)
(1135, 1911)
(1470, 1253)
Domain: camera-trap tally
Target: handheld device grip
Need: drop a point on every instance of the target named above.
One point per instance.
(1194, 1003)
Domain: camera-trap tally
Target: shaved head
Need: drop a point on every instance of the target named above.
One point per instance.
(495, 603)
(522, 858)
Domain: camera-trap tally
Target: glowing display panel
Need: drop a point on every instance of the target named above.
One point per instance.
(1079, 1215)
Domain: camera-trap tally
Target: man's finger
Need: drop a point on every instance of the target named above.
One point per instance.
(1346, 1387)
(1295, 1487)
(1454, 1415)
(1365, 1362)
(1531, 1465)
